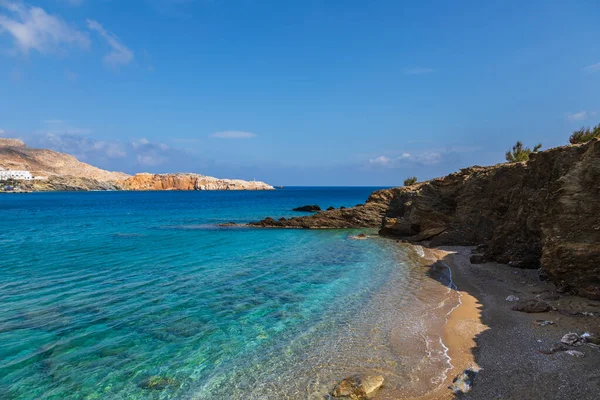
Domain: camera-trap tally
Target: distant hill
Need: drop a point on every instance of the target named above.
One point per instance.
(65, 173)
(15, 155)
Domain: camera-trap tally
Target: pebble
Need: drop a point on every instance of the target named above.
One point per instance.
(512, 298)
(575, 353)
(572, 339)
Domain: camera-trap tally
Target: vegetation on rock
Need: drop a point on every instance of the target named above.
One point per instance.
(520, 153)
(585, 134)
(410, 181)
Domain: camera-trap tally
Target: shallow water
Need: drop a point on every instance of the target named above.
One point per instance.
(100, 292)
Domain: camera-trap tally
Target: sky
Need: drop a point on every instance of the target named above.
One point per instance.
(297, 92)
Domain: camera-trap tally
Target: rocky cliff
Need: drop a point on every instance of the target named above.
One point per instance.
(188, 182)
(541, 213)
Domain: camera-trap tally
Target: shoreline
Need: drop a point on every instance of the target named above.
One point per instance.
(507, 350)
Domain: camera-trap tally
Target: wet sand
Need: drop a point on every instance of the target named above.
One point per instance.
(511, 347)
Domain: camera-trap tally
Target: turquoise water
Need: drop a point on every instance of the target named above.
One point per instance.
(104, 294)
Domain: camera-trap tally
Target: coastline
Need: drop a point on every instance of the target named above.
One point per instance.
(510, 350)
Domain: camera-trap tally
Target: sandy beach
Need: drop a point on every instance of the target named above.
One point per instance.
(517, 355)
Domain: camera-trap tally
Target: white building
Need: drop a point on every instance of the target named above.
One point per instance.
(17, 175)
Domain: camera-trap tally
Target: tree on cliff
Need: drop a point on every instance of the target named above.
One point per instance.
(410, 181)
(585, 134)
(520, 153)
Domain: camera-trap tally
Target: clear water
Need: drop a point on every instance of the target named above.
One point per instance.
(100, 292)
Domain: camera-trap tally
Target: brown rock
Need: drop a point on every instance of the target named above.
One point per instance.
(532, 306)
(188, 182)
(358, 387)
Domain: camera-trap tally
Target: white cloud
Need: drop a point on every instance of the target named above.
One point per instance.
(34, 29)
(424, 158)
(120, 54)
(580, 116)
(1, 132)
(592, 68)
(381, 160)
(233, 135)
(418, 71)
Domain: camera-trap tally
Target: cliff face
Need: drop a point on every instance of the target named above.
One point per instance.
(188, 182)
(541, 213)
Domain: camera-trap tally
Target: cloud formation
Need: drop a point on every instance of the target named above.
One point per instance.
(233, 135)
(424, 158)
(580, 116)
(120, 54)
(592, 68)
(418, 71)
(34, 29)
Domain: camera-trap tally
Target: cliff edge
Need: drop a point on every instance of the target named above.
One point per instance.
(188, 182)
(543, 213)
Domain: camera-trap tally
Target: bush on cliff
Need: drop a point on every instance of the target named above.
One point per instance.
(410, 181)
(585, 134)
(520, 153)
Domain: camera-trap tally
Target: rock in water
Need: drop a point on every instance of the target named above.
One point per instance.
(532, 306)
(308, 208)
(358, 387)
(159, 383)
(360, 236)
(463, 382)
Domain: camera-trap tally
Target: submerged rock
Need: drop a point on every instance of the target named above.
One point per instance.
(360, 236)
(308, 208)
(358, 387)
(532, 306)
(159, 383)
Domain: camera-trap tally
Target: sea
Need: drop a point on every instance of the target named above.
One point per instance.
(141, 295)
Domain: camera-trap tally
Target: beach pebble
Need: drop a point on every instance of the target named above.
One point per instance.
(542, 322)
(575, 353)
(591, 338)
(572, 339)
(512, 298)
(463, 382)
(358, 387)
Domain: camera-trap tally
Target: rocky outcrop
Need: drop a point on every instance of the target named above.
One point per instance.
(308, 208)
(67, 184)
(188, 182)
(541, 213)
(368, 215)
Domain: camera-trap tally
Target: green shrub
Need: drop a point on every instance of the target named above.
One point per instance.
(410, 181)
(585, 134)
(520, 153)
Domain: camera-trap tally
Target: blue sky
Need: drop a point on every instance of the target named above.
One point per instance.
(310, 92)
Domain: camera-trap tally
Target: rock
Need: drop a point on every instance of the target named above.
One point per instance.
(575, 353)
(159, 383)
(358, 387)
(477, 258)
(512, 298)
(590, 338)
(532, 306)
(227, 224)
(308, 208)
(330, 208)
(463, 382)
(572, 339)
(555, 349)
(542, 322)
(360, 236)
(342, 208)
(282, 219)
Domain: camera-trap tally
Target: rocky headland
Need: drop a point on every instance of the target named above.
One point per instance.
(542, 213)
(57, 171)
(188, 182)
